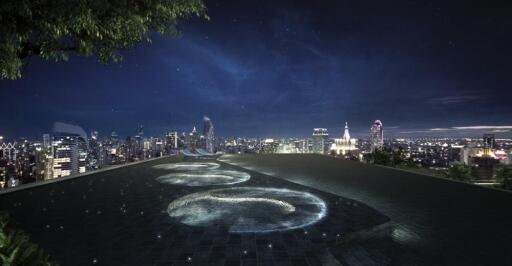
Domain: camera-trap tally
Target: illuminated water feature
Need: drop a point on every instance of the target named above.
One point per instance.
(249, 209)
(127, 208)
(205, 178)
(188, 166)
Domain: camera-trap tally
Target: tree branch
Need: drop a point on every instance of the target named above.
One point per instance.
(29, 49)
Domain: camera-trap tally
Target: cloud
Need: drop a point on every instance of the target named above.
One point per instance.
(415, 131)
(482, 127)
(457, 99)
(460, 130)
(469, 128)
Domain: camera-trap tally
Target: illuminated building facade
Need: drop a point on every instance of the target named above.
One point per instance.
(69, 154)
(269, 146)
(209, 135)
(489, 141)
(193, 139)
(376, 136)
(320, 136)
(47, 141)
(171, 141)
(345, 145)
(9, 151)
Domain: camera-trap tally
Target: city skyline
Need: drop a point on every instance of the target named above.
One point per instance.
(225, 132)
(392, 132)
(422, 66)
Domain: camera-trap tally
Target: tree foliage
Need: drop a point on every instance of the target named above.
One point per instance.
(398, 157)
(381, 156)
(16, 247)
(504, 176)
(53, 28)
(459, 172)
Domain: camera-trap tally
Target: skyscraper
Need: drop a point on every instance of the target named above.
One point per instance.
(489, 144)
(46, 141)
(376, 136)
(141, 131)
(269, 146)
(69, 154)
(209, 134)
(94, 135)
(171, 141)
(95, 156)
(489, 141)
(138, 144)
(114, 137)
(193, 139)
(70, 145)
(320, 136)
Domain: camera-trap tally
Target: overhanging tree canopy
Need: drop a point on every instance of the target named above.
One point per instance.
(53, 28)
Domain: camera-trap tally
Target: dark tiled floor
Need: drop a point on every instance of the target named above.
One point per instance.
(119, 218)
(433, 221)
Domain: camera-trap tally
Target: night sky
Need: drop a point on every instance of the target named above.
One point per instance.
(280, 68)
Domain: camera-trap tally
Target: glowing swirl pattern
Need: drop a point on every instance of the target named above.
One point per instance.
(249, 209)
(188, 166)
(205, 178)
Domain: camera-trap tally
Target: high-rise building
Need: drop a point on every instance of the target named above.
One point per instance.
(269, 146)
(320, 136)
(48, 167)
(66, 156)
(9, 151)
(171, 141)
(141, 131)
(209, 135)
(376, 136)
(114, 137)
(96, 155)
(70, 147)
(47, 142)
(489, 141)
(138, 145)
(159, 145)
(193, 139)
(94, 135)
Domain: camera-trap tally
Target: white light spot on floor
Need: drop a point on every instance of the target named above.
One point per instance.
(187, 166)
(205, 178)
(249, 209)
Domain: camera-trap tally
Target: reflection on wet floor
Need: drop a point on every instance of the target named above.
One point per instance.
(204, 178)
(433, 221)
(187, 166)
(249, 209)
(122, 217)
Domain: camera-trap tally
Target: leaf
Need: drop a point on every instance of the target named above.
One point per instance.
(47, 28)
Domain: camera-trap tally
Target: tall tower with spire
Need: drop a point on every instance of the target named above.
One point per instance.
(346, 134)
(193, 139)
(345, 145)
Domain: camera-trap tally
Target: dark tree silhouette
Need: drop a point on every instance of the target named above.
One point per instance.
(460, 172)
(53, 28)
(16, 247)
(504, 176)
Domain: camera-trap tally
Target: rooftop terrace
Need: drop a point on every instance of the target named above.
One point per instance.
(434, 221)
(264, 209)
